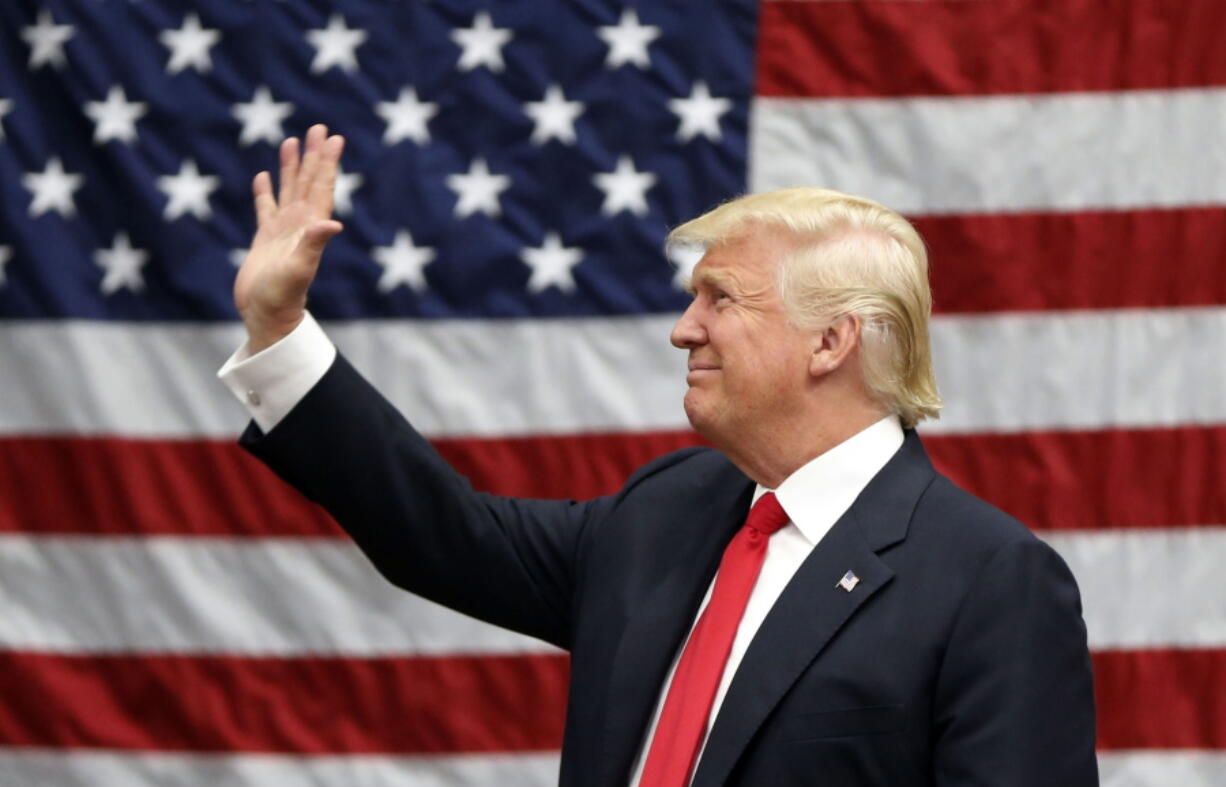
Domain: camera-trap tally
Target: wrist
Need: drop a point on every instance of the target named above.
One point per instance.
(262, 334)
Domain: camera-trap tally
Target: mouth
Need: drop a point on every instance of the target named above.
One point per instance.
(699, 370)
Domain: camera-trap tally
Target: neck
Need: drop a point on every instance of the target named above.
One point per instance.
(771, 455)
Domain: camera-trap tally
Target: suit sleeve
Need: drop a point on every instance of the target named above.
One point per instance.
(1014, 703)
(508, 561)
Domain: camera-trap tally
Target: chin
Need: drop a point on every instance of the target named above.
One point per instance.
(701, 420)
(693, 412)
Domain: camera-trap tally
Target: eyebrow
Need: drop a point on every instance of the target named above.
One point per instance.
(715, 279)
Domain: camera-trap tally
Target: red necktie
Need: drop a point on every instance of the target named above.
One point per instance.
(683, 722)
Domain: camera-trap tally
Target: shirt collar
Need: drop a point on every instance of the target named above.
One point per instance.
(822, 490)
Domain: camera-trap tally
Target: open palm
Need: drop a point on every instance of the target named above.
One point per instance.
(293, 228)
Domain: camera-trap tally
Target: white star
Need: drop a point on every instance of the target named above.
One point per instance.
(122, 264)
(46, 40)
(625, 188)
(402, 263)
(699, 113)
(262, 117)
(478, 190)
(6, 254)
(52, 189)
(116, 117)
(342, 194)
(6, 106)
(684, 259)
(482, 43)
(335, 45)
(628, 41)
(238, 256)
(406, 117)
(553, 116)
(551, 264)
(189, 45)
(188, 192)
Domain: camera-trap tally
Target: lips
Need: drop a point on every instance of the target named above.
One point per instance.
(699, 370)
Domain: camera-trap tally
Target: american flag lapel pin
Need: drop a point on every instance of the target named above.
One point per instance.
(849, 581)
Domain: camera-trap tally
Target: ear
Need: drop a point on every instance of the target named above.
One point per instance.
(833, 346)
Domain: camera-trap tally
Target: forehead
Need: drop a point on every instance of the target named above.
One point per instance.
(752, 255)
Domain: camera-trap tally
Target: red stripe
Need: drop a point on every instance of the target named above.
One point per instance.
(1087, 260)
(1088, 480)
(559, 466)
(212, 487)
(907, 48)
(312, 706)
(120, 486)
(1161, 699)
(1155, 699)
(1114, 478)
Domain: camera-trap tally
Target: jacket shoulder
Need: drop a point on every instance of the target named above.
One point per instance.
(698, 463)
(946, 502)
(967, 533)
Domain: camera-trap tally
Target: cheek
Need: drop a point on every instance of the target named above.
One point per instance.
(773, 372)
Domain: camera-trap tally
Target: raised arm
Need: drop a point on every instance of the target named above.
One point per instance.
(338, 441)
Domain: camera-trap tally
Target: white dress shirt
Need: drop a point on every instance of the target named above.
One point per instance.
(271, 382)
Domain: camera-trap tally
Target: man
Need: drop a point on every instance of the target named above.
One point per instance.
(868, 624)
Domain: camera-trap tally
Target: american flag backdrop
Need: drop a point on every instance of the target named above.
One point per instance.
(172, 614)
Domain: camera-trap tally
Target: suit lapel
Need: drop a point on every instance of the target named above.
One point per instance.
(813, 608)
(657, 628)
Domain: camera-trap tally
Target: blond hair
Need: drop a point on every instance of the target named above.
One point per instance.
(851, 256)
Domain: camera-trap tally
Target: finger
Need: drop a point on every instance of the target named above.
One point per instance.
(265, 205)
(316, 238)
(310, 161)
(316, 135)
(324, 187)
(289, 169)
(321, 232)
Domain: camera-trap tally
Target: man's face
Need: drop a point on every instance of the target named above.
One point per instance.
(748, 368)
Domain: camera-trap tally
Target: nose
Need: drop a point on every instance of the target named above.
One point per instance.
(689, 332)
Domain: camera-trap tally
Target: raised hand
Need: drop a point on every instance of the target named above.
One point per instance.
(293, 228)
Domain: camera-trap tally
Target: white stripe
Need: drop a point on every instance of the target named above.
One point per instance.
(286, 597)
(871, 1)
(454, 377)
(1150, 588)
(1185, 768)
(278, 597)
(1081, 370)
(1160, 148)
(82, 768)
(1002, 372)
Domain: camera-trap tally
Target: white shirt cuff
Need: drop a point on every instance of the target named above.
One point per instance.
(273, 381)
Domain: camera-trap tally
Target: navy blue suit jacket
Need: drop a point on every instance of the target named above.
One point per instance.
(960, 658)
